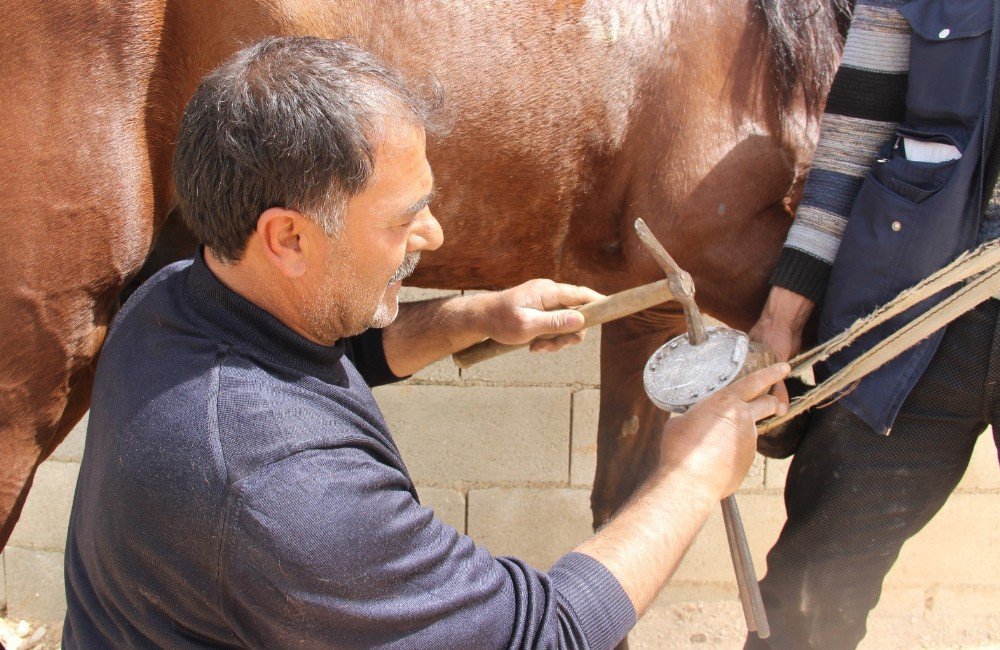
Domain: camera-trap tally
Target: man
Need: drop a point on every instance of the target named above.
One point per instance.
(900, 185)
(239, 486)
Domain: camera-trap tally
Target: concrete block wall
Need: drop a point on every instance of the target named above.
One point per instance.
(506, 452)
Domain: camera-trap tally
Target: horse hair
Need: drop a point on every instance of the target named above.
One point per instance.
(806, 38)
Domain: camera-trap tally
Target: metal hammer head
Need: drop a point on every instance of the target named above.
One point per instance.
(681, 283)
(692, 366)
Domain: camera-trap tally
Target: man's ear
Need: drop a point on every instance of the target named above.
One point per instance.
(279, 232)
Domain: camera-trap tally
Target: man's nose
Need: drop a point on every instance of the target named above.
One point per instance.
(426, 234)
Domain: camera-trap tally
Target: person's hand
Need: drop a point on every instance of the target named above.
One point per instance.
(713, 444)
(780, 327)
(783, 341)
(537, 308)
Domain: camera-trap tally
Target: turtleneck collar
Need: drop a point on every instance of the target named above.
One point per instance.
(244, 324)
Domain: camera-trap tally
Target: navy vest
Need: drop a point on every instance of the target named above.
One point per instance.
(912, 218)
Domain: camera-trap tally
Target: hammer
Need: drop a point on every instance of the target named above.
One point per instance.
(677, 359)
(613, 307)
(670, 368)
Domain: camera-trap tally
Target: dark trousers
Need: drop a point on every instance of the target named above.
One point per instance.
(854, 496)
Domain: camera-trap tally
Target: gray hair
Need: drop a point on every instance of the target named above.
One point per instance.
(288, 122)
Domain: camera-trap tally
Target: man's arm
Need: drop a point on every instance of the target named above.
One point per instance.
(704, 455)
(866, 102)
(428, 330)
(328, 546)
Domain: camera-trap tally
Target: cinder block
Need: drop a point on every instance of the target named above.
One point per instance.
(45, 519)
(959, 546)
(708, 560)
(678, 591)
(448, 505)
(71, 448)
(983, 473)
(583, 462)
(578, 364)
(35, 589)
(444, 369)
(416, 294)
(775, 473)
(535, 525)
(479, 435)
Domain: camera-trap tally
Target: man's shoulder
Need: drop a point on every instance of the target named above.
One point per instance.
(155, 293)
(154, 347)
(143, 339)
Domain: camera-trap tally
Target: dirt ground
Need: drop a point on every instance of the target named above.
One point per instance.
(690, 626)
(719, 625)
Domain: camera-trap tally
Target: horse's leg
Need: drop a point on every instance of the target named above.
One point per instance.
(77, 227)
(628, 422)
(77, 403)
(54, 329)
(63, 262)
(77, 176)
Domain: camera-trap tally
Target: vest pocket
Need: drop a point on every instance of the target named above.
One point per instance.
(874, 241)
(911, 180)
(949, 60)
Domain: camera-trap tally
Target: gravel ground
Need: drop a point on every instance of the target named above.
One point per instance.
(23, 635)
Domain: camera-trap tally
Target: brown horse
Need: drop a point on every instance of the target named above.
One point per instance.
(569, 119)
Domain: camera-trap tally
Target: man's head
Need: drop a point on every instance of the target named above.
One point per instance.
(300, 164)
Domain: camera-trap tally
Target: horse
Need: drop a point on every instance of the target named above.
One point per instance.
(566, 121)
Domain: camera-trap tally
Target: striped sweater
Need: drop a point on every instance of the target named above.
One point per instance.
(867, 102)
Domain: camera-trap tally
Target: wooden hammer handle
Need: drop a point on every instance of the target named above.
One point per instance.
(613, 307)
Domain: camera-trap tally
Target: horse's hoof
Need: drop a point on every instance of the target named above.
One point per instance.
(781, 442)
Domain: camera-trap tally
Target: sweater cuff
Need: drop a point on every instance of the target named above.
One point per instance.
(601, 606)
(802, 273)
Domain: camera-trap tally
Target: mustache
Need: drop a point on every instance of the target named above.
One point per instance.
(406, 269)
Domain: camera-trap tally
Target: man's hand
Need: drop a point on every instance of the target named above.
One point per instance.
(535, 309)
(428, 330)
(780, 327)
(704, 455)
(713, 444)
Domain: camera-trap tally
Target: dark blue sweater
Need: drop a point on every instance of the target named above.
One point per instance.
(239, 488)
